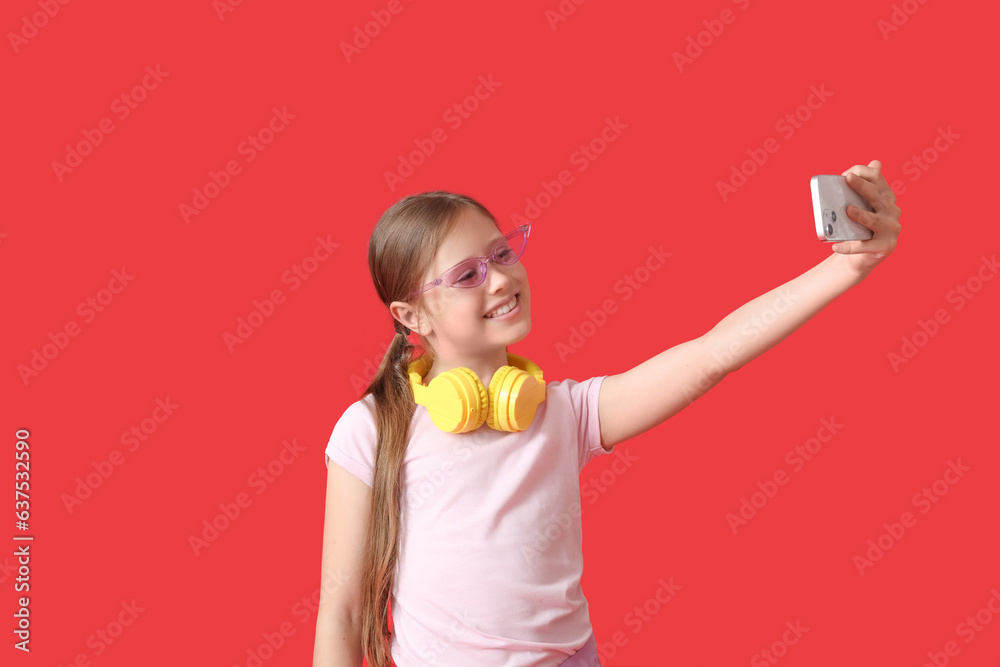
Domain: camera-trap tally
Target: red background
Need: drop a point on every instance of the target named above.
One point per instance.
(324, 176)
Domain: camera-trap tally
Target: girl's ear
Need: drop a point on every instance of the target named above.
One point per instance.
(410, 318)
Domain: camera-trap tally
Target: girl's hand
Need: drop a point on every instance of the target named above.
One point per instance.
(863, 256)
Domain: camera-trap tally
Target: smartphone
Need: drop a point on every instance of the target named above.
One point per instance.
(831, 195)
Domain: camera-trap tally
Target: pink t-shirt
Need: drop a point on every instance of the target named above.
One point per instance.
(491, 550)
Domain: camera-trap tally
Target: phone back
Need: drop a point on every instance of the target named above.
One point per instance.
(830, 196)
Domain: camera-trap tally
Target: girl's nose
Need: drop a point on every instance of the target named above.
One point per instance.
(496, 277)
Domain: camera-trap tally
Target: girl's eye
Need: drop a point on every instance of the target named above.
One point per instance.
(467, 277)
(505, 253)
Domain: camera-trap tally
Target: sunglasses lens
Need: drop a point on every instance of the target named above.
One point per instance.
(509, 249)
(470, 273)
(466, 274)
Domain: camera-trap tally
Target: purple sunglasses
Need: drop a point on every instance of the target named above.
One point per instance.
(472, 272)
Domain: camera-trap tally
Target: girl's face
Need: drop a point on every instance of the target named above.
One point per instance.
(454, 319)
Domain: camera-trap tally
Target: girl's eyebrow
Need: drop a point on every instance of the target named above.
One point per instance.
(489, 246)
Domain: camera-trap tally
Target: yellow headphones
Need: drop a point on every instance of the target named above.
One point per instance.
(458, 402)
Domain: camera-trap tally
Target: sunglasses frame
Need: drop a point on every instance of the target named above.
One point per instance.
(483, 261)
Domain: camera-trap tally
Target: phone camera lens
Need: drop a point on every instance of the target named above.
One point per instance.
(833, 216)
(829, 230)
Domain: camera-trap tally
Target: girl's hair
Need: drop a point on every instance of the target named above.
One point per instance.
(402, 248)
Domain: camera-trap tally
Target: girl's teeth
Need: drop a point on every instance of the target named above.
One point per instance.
(505, 308)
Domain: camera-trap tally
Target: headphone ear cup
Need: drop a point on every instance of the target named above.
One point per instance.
(472, 401)
(514, 398)
(496, 414)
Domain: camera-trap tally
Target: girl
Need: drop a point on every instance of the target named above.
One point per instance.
(453, 483)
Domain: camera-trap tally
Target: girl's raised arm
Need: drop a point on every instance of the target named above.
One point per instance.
(639, 399)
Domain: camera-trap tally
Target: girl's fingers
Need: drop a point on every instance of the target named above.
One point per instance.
(859, 176)
(876, 165)
(877, 197)
(868, 182)
(850, 247)
(880, 247)
(863, 217)
(871, 173)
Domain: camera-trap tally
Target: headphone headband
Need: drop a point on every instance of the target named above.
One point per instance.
(419, 368)
(458, 402)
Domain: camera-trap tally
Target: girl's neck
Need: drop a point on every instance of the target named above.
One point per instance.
(483, 366)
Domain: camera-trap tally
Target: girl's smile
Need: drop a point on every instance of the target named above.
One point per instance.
(513, 308)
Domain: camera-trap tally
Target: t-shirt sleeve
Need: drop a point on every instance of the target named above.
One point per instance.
(583, 398)
(352, 443)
